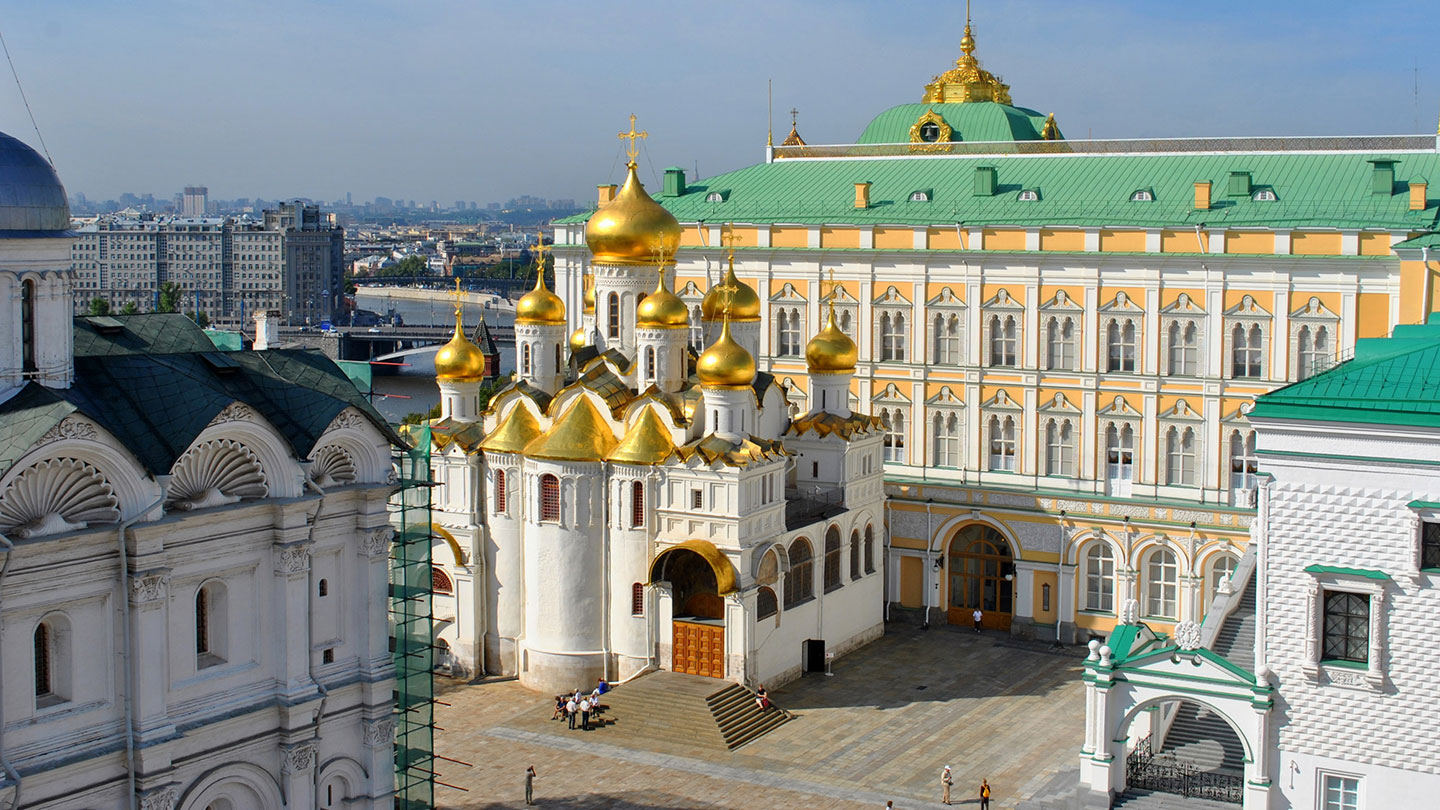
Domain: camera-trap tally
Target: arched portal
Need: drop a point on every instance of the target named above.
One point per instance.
(1186, 747)
(982, 574)
(700, 576)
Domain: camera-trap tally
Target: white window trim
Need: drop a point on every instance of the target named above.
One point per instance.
(1374, 674)
(1198, 319)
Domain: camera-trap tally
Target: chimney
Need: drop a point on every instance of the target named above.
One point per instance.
(267, 330)
(674, 182)
(1382, 177)
(1202, 195)
(984, 181)
(1239, 184)
(607, 193)
(862, 195)
(1417, 194)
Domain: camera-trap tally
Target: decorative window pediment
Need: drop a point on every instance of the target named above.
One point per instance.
(1316, 310)
(333, 466)
(691, 292)
(788, 293)
(947, 299)
(890, 394)
(840, 296)
(1247, 307)
(1122, 302)
(1002, 300)
(1061, 301)
(946, 399)
(1182, 411)
(54, 496)
(1002, 401)
(1184, 305)
(892, 298)
(1119, 408)
(1058, 404)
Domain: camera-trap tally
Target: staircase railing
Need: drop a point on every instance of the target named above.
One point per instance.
(1228, 597)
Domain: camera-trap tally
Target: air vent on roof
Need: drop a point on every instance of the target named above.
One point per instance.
(220, 363)
(1239, 184)
(984, 181)
(674, 182)
(1382, 178)
(106, 325)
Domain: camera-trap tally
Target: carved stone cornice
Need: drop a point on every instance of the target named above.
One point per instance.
(149, 586)
(234, 412)
(159, 799)
(297, 758)
(348, 418)
(292, 559)
(68, 428)
(376, 542)
(379, 732)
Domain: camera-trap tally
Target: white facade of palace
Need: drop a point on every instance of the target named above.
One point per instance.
(210, 636)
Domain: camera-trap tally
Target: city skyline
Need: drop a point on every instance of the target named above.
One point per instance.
(504, 102)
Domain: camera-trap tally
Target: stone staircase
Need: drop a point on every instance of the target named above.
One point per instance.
(1153, 800)
(1204, 740)
(1236, 638)
(690, 710)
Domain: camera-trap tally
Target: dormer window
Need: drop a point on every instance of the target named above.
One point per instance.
(920, 196)
(714, 196)
(1264, 195)
(1143, 195)
(1028, 195)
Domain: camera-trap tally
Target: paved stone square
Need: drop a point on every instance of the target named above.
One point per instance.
(882, 727)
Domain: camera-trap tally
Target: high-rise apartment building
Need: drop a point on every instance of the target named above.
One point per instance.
(314, 248)
(195, 201)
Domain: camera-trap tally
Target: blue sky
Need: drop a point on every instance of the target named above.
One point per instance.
(487, 100)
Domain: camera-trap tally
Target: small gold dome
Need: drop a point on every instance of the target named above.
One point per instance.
(726, 363)
(590, 297)
(831, 351)
(631, 228)
(744, 302)
(459, 359)
(578, 340)
(662, 309)
(540, 305)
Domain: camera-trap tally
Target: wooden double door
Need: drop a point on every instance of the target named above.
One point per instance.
(699, 649)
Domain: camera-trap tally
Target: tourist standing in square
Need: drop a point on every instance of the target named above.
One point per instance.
(530, 785)
(570, 708)
(946, 780)
(984, 795)
(977, 616)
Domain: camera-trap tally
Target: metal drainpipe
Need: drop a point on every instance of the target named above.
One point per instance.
(5, 763)
(310, 580)
(1426, 293)
(125, 647)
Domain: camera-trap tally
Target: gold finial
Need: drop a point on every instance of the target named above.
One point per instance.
(459, 304)
(631, 150)
(830, 296)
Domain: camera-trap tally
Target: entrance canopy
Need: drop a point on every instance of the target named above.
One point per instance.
(717, 561)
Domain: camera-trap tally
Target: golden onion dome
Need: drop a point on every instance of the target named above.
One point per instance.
(743, 300)
(590, 297)
(726, 363)
(662, 309)
(460, 359)
(540, 305)
(631, 228)
(578, 340)
(831, 351)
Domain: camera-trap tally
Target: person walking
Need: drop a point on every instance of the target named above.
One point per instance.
(570, 708)
(530, 785)
(984, 795)
(889, 805)
(585, 714)
(977, 616)
(946, 780)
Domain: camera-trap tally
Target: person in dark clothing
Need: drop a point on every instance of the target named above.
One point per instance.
(984, 795)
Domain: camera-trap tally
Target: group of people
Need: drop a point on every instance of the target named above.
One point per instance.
(580, 706)
(947, 779)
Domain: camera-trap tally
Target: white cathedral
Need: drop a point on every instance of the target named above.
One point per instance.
(627, 505)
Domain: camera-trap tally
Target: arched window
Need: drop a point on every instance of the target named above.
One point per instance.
(1246, 350)
(211, 624)
(44, 659)
(322, 590)
(1184, 340)
(869, 550)
(697, 330)
(440, 582)
(647, 371)
(1004, 340)
(787, 336)
(1028, 195)
(1162, 578)
(637, 504)
(637, 599)
(922, 196)
(1143, 195)
(1314, 351)
(1002, 444)
(765, 603)
(525, 365)
(1119, 458)
(855, 554)
(894, 441)
(27, 327)
(1120, 343)
(549, 498)
(833, 551)
(892, 337)
(1060, 343)
(846, 322)
(947, 339)
(500, 493)
(945, 428)
(1100, 578)
(800, 579)
(1059, 447)
(612, 316)
(1180, 456)
(1244, 467)
(1222, 569)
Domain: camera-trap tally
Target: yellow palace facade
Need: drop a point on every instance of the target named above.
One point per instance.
(1062, 337)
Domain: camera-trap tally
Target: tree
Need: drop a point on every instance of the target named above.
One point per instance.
(129, 309)
(98, 307)
(202, 319)
(170, 295)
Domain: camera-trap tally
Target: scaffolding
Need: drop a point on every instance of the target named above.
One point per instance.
(411, 626)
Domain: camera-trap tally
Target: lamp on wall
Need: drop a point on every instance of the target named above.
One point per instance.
(939, 563)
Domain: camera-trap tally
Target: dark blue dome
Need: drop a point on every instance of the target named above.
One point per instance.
(32, 201)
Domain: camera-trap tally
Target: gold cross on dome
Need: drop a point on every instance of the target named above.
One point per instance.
(660, 256)
(457, 295)
(729, 239)
(540, 250)
(631, 150)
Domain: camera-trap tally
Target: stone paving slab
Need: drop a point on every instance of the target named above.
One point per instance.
(894, 714)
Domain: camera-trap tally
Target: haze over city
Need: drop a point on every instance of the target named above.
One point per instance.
(449, 100)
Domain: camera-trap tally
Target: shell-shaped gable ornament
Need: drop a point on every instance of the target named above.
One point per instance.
(333, 467)
(218, 472)
(56, 495)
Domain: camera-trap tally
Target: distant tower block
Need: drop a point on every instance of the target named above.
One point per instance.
(194, 201)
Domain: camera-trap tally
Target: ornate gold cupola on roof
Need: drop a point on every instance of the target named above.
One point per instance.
(967, 81)
(631, 228)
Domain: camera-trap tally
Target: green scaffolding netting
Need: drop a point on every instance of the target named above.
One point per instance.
(410, 627)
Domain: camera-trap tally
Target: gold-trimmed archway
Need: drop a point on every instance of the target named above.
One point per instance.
(441, 532)
(725, 583)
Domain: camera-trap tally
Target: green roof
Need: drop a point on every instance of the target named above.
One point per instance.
(1331, 190)
(970, 121)
(1393, 380)
(1367, 573)
(155, 381)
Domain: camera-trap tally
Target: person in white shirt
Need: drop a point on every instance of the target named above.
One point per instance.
(585, 714)
(570, 708)
(977, 616)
